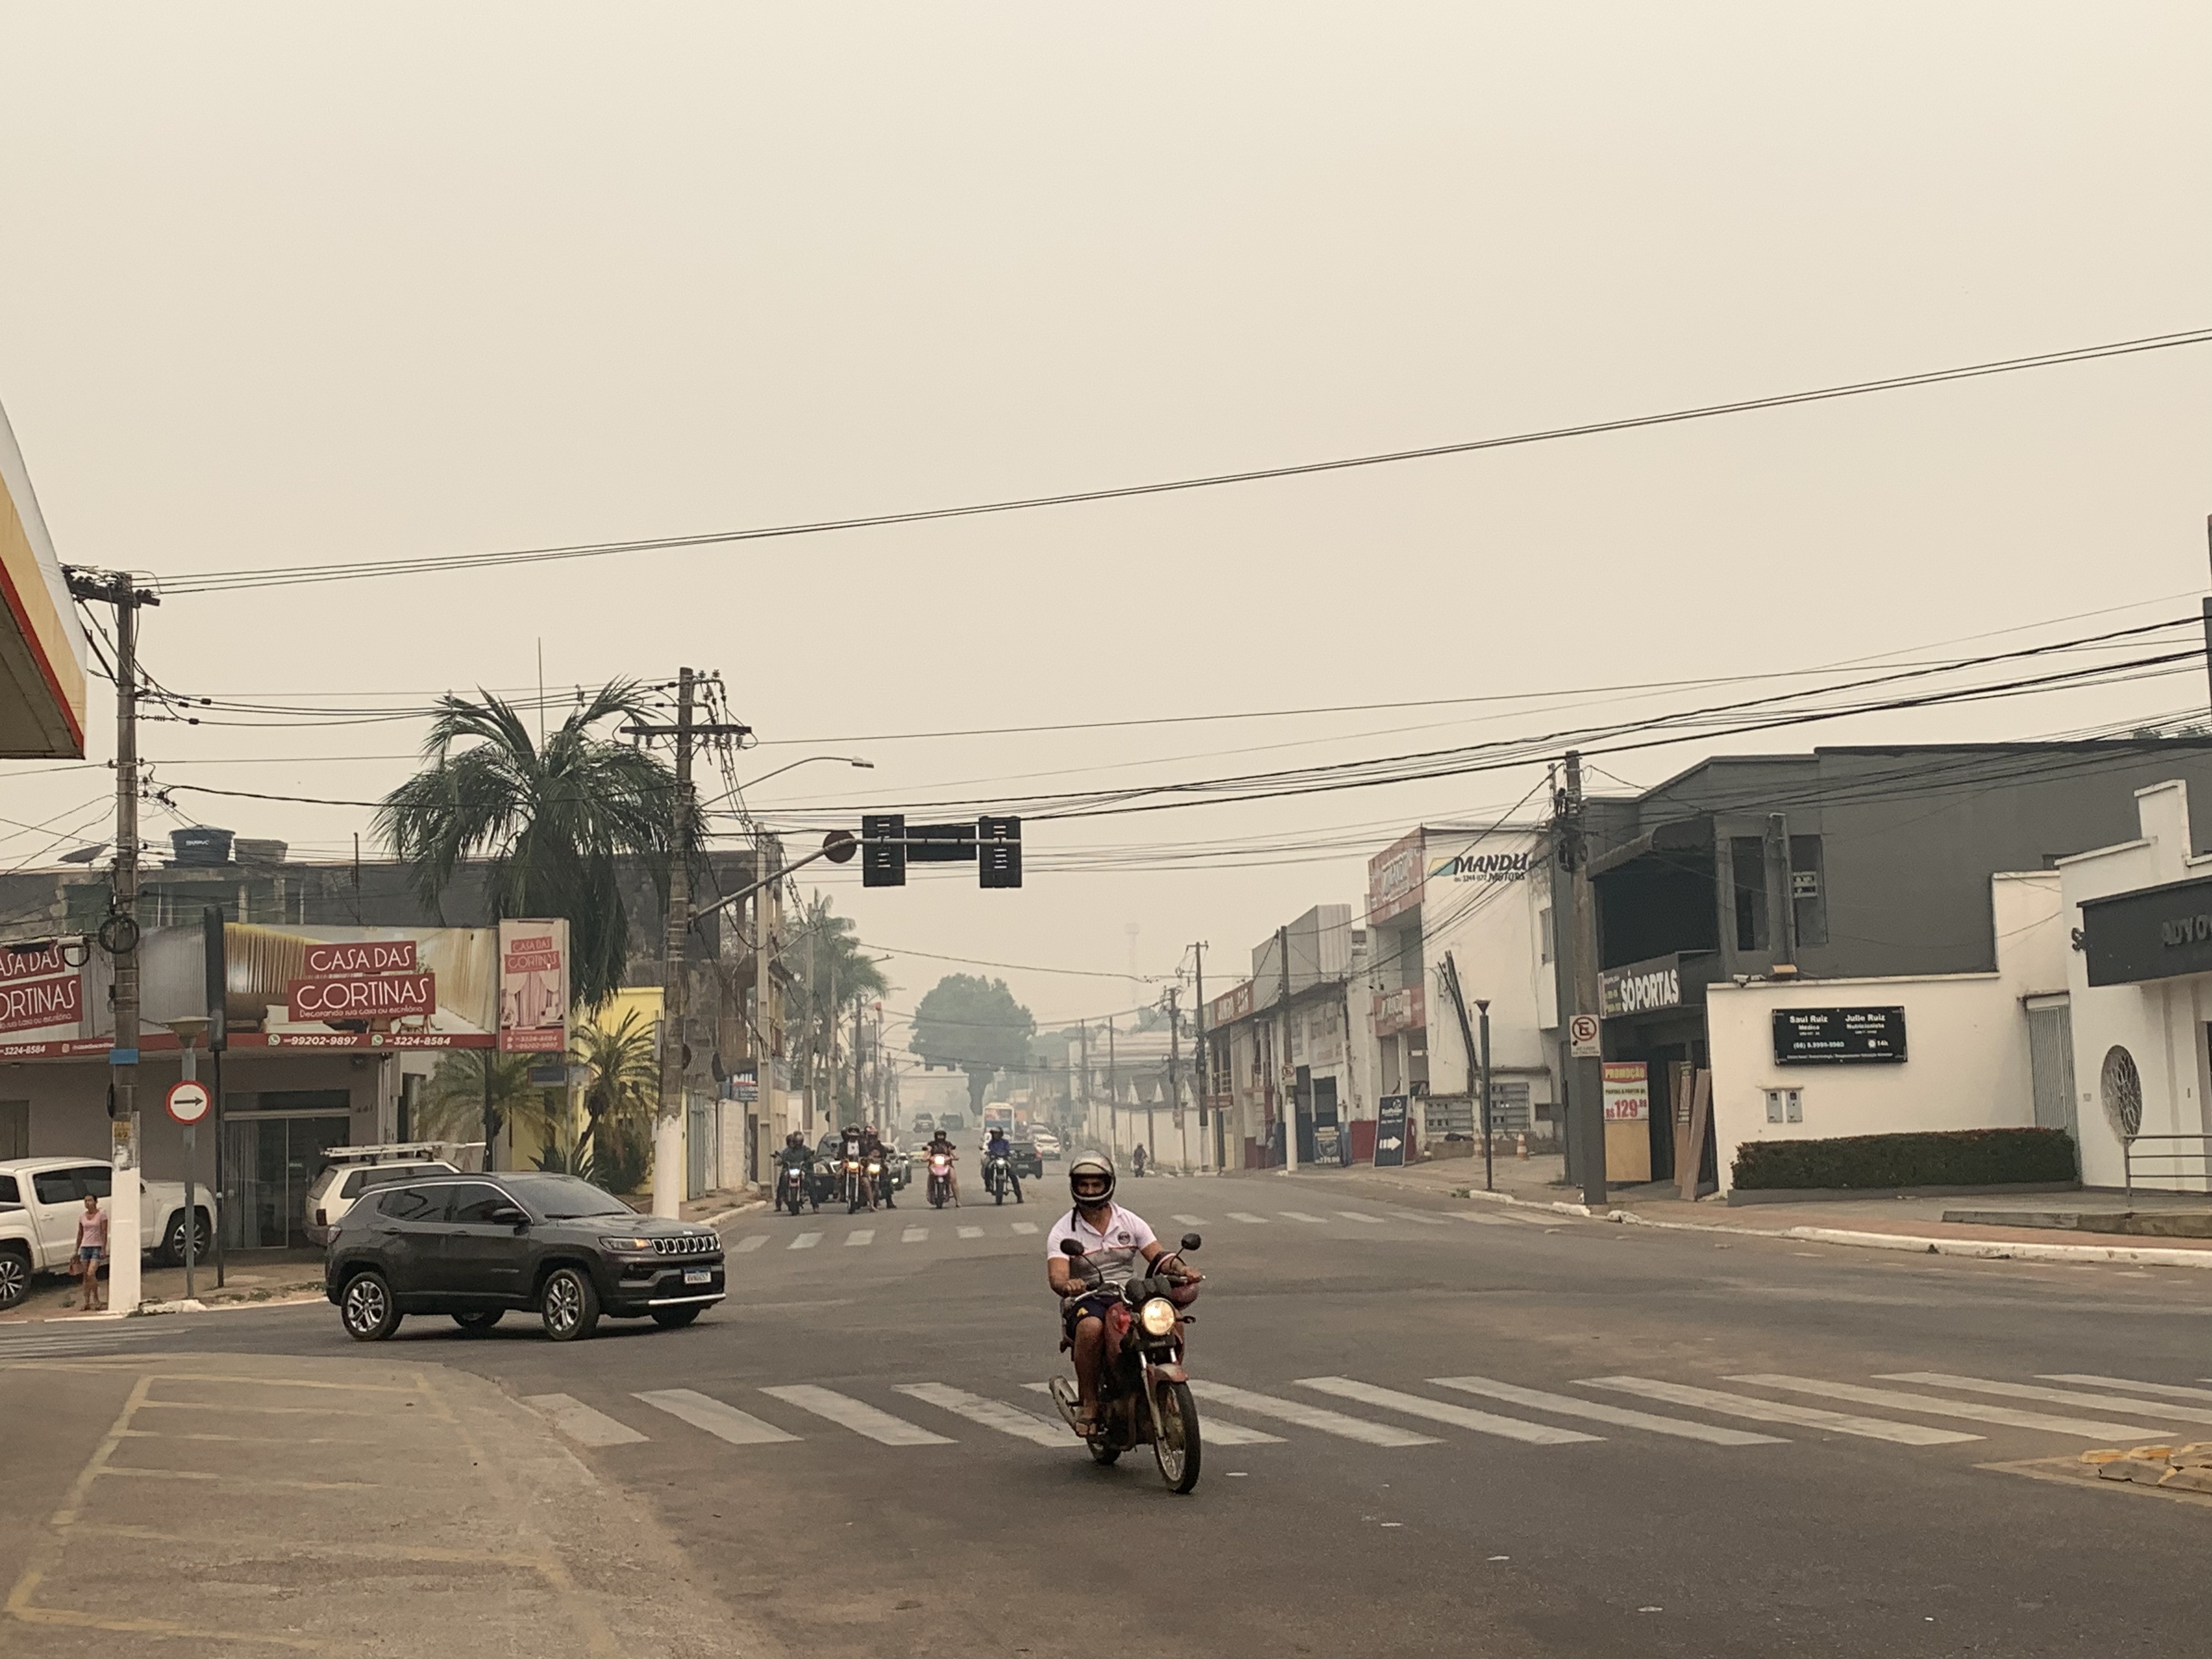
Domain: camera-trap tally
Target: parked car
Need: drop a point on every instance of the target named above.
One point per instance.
(42, 1198)
(357, 1169)
(479, 1247)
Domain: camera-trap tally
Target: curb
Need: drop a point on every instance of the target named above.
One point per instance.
(721, 1216)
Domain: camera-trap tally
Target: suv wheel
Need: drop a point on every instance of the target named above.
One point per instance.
(366, 1308)
(568, 1304)
(15, 1277)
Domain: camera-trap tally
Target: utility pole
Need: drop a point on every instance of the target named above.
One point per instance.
(1478, 1060)
(1203, 1060)
(1586, 1089)
(118, 932)
(813, 1037)
(1113, 1097)
(1175, 1077)
(1083, 1044)
(860, 1096)
(1287, 1075)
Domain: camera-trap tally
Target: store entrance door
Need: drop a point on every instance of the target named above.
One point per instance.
(271, 1155)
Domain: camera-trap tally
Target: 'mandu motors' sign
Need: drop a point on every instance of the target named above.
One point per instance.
(2154, 933)
(1478, 863)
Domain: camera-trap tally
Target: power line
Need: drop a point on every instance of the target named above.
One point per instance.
(295, 575)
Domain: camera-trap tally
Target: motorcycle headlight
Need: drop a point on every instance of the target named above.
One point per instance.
(875, 1168)
(1157, 1316)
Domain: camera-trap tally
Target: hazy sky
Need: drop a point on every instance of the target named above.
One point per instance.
(283, 283)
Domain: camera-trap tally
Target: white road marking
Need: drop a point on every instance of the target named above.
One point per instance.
(1024, 1226)
(992, 1414)
(805, 1241)
(1551, 1219)
(580, 1422)
(1308, 1417)
(1419, 1220)
(1214, 1431)
(1778, 1410)
(1437, 1411)
(969, 1232)
(914, 1235)
(1248, 1218)
(1300, 1215)
(2095, 1428)
(2173, 1389)
(1189, 1220)
(856, 1415)
(861, 1235)
(750, 1241)
(2164, 1413)
(1361, 1215)
(723, 1422)
(1568, 1406)
(1481, 1218)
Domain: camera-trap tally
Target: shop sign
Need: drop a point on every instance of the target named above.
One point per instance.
(1390, 1132)
(1230, 1006)
(1627, 1091)
(2155, 933)
(352, 958)
(381, 996)
(1394, 879)
(34, 1005)
(1401, 1009)
(1807, 1036)
(1477, 865)
(1642, 986)
(46, 962)
(533, 987)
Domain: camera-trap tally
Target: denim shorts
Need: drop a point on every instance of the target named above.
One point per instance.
(88, 1253)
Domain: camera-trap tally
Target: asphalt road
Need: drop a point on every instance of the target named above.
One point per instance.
(840, 1515)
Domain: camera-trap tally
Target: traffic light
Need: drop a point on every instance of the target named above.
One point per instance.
(883, 849)
(998, 852)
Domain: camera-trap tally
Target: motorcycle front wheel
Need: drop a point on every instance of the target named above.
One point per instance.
(1176, 1448)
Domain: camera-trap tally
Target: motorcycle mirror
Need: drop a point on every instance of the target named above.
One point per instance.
(1191, 1240)
(1071, 1247)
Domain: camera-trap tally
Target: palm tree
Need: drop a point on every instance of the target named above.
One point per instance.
(622, 1077)
(836, 974)
(453, 1106)
(554, 820)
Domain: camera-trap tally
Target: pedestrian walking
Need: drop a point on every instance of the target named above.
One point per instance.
(91, 1250)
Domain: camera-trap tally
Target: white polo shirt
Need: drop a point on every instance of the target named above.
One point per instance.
(1114, 1249)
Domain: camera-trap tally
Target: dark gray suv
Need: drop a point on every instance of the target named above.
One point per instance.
(477, 1246)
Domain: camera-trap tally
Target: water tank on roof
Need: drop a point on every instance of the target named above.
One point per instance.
(200, 847)
(259, 851)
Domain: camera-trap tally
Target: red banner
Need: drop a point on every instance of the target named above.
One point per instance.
(34, 964)
(382, 996)
(352, 959)
(30, 1004)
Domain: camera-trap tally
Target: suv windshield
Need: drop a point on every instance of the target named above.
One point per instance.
(563, 1198)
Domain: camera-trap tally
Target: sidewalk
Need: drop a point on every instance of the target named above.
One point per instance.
(250, 1277)
(1911, 1224)
(245, 1503)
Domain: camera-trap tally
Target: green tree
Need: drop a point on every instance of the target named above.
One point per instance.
(453, 1107)
(834, 974)
(973, 1024)
(622, 1079)
(555, 820)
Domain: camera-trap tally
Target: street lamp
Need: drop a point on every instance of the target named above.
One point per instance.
(849, 760)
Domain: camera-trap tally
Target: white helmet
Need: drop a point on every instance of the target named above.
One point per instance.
(1092, 1164)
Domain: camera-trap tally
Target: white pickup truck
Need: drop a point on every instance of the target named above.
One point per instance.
(42, 1198)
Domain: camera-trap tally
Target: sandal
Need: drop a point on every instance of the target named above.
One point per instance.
(1087, 1428)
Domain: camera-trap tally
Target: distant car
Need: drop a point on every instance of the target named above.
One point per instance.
(951, 1121)
(1024, 1155)
(1048, 1143)
(357, 1169)
(478, 1246)
(923, 1124)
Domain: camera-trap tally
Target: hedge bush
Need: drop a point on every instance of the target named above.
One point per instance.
(1954, 1157)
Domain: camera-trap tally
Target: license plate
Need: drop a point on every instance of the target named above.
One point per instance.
(698, 1276)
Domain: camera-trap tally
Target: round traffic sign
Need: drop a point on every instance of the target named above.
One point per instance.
(188, 1102)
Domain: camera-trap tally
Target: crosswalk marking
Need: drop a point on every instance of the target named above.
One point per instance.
(914, 1235)
(723, 1422)
(857, 1415)
(49, 1346)
(860, 1235)
(1300, 1215)
(1248, 1218)
(1189, 1220)
(1778, 1410)
(1481, 1218)
(1024, 1226)
(582, 1424)
(991, 1414)
(970, 1233)
(1309, 1417)
(2165, 1413)
(1568, 1406)
(1437, 1411)
(2173, 1390)
(805, 1241)
(1361, 1215)
(1214, 1431)
(750, 1241)
(1419, 1220)
(2095, 1428)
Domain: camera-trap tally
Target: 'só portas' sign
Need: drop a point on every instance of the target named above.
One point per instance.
(365, 996)
(1641, 987)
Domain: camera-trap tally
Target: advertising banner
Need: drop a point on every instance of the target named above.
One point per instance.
(1394, 878)
(42, 990)
(1390, 1132)
(533, 987)
(1627, 1091)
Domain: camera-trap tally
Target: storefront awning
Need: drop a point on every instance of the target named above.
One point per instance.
(42, 648)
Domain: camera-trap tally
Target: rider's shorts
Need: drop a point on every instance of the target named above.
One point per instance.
(1092, 1304)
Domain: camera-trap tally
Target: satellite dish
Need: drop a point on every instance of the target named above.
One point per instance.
(85, 855)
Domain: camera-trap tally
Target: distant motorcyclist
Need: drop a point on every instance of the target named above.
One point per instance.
(1114, 1240)
(941, 1146)
(873, 1149)
(796, 1154)
(852, 1148)
(999, 1146)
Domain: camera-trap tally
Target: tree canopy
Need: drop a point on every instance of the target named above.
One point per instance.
(973, 1024)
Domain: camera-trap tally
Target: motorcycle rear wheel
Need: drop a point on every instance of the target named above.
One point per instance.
(1177, 1447)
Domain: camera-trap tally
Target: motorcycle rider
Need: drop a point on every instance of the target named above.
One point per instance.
(852, 1148)
(1114, 1240)
(1137, 1161)
(999, 1146)
(872, 1148)
(941, 1146)
(797, 1154)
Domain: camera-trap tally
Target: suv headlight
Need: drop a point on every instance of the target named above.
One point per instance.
(1157, 1316)
(626, 1246)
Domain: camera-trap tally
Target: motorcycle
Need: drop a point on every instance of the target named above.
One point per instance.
(861, 1176)
(940, 1179)
(998, 1176)
(794, 1189)
(1144, 1396)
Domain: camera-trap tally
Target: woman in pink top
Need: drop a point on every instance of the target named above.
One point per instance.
(91, 1247)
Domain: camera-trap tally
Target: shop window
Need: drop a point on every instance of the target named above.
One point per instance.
(1509, 1107)
(1809, 889)
(2120, 1087)
(1748, 871)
